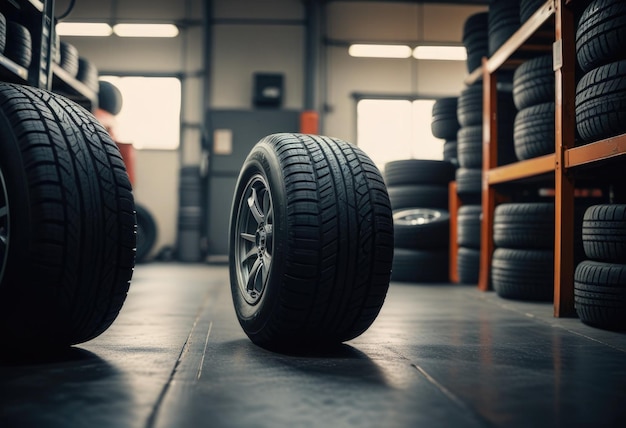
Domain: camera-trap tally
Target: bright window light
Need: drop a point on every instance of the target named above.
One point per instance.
(446, 53)
(150, 115)
(146, 30)
(380, 51)
(89, 29)
(389, 130)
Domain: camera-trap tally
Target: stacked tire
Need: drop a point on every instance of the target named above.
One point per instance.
(601, 54)
(522, 265)
(476, 39)
(445, 125)
(503, 20)
(533, 95)
(418, 192)
(600, 281)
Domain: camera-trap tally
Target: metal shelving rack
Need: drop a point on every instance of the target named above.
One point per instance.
(554, 19)
(38, 17)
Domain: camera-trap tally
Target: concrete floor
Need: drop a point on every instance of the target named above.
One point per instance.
(437, 356)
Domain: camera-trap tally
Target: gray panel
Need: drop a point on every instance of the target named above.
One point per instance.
(247, 127)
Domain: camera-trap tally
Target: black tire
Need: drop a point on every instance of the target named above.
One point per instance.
(533, 133)
(88, 74)
(19, 44)
(601, 34)
(470, 105)
(109, 97)
(604, 233)
(450, 152)
(533, 82)
(469, 184)
(504, 20)
(524, 225)
(66, 222)
(601, 102)
(444, 122)
(3, 33)
(468, 226)
(527, 8)
(420, 266)
(600, 294)
(476, 39)
(69, 58)
(319, 207)
(470, 146)
(419, 196)
(523, 274)
(468, 265)
(418, 171)
(421, 228)
(146, 232)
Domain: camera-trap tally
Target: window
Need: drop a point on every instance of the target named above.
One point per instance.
(150, 115)
(390, 130)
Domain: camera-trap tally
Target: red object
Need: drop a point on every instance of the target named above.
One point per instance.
(309, 122)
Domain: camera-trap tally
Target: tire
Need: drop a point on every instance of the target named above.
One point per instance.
(527, 8)
(146, 232)
(19, 44)
(504, 20)
(418, 171)
(444, 122)
(604, 233)
(533, 82)
(87, 74)
(524, 225)
(419, 196)
(468, 226)
(523, 274)
(470, 146)
(421, 228)
(600, 294)
(533, 133)
(450, 152)
(311, 242)
(476, 39)
(66, 220)
(470, 105)
(468, 265)
(601, 102)
(420, 266)
(109, 97)
(3, 33)
(69, 58)
(601, 34)
(469, 185)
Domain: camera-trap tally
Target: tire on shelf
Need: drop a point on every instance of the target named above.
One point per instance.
(146, 232)
(69, 58)
(470, 146)
(600, 294)
(67, 225)
(476, 39)
(450, 154)
(418, 171)
(523, 274)
(444, 123)
(420, 266)
(88, 74)
(533, 82)
(468, 226)
(469, 184)
(504, 20)
(421, 228)
(604, 233)
(524, 225)
(527, 8)
(601, 102)
(419, 195)
(601, 34)
(311, 242)
(533, 133)
(468, 265)
(19, 44)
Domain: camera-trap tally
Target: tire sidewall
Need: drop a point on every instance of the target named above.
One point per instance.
(262, 160)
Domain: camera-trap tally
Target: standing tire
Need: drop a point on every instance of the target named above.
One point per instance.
(311, 242)
(604, 233)
(600, 294)
(523, 274)
(67, 224)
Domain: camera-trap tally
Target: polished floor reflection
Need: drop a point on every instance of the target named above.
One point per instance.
(437, 356)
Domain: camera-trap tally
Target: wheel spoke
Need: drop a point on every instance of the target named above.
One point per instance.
(247, 237)
(253, 275)
(253, 204)
(253, 252)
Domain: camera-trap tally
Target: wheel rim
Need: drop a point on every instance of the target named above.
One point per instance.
(254, 239)
(4, 225)
(416, 216)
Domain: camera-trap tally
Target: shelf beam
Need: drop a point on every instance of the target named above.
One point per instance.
(595, 152)
(522, 169)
